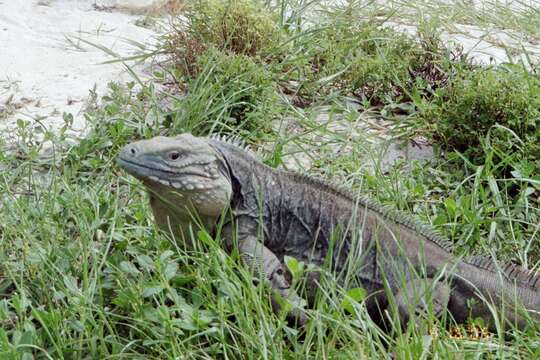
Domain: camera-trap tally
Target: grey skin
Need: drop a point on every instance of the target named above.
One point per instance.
(268, 214)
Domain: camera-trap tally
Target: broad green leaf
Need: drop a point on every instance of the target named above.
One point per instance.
(352, 296)
(152, 290)
(128, 268)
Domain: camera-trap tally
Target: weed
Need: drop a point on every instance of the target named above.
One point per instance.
(377, 65)
(232, 94)
(183, 49)
(238, 26)
(501, 103)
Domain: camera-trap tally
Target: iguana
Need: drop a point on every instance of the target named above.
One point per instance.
(267, 214)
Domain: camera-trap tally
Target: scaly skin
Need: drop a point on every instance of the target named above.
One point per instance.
(195, 181)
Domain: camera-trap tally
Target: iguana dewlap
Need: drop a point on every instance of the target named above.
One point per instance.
(269, 214)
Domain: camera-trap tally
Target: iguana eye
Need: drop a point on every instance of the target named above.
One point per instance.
(174, 155)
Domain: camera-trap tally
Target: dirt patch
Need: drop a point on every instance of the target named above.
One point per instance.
(45, 60)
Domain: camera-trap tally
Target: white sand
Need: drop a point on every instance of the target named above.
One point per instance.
(42, 74)
(131, 4)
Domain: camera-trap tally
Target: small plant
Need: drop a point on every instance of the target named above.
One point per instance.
(232, 93)
(183, 49)
(500, 103)
(376, 64)
(238, 26)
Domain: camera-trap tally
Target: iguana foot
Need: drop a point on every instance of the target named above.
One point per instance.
(416, 297)
(264, 262)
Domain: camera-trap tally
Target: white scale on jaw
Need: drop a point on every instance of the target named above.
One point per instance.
(187, 185)
(211, 170)
(206, 196)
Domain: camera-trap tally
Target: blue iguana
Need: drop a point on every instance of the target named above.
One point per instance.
(268, 214)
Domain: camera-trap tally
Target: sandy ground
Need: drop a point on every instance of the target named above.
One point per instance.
(129, 4)
(44, 70)
(495, 47)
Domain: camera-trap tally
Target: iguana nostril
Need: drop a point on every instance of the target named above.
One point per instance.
(132, 150)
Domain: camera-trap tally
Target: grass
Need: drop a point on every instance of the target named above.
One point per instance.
(85, 274)
(233, 92)
(516, 18)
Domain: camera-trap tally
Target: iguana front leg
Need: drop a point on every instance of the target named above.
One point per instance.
(264, 262)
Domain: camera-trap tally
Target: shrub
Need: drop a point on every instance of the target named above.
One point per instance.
(463, 113)
(239, 26)
(183, 50)
(375, 64)
(232, 93)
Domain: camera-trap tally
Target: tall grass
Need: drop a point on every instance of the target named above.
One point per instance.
(85, 274)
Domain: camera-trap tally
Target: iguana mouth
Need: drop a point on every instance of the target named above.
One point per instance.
(148, 172)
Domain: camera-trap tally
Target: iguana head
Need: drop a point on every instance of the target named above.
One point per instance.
(183, 171)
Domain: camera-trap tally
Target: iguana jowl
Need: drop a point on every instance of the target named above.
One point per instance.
(274, 213)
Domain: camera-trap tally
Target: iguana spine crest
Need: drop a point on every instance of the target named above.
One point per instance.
(512, 271)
